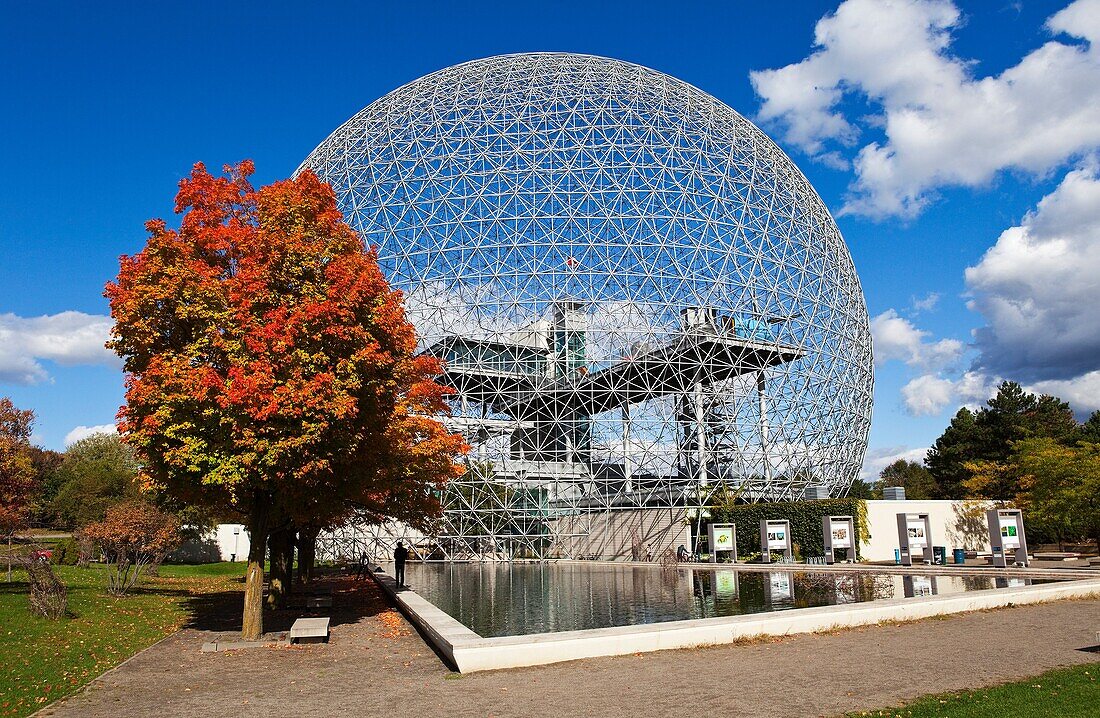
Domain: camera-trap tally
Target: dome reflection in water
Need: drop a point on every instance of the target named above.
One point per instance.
(500, 599)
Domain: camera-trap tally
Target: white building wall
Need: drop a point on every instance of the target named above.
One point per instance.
(955, 524)
(232, 539)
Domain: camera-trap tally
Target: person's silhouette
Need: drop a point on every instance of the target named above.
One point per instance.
(399, 555)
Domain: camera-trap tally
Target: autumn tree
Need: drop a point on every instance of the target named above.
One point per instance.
(134, 535)
(96, 473)
(271, 371)
(988, 434)
(45, 463)
(16, 470)
(1060, 486)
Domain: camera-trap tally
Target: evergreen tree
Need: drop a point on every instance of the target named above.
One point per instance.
(860, 489)
(1090, 430)
(912, 476)
(988, 435)
(961, 442)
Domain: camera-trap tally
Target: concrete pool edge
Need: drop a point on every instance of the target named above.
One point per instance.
(467, 652)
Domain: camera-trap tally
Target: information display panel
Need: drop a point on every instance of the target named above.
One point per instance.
(777, 537)
(916, 532)
(914, 538)
(1006, 537)
(723, 539)
(842, 537)
(1010, 536)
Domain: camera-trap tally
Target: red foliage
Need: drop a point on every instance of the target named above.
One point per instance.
(17, 474)
(270, 368)
(133, 535)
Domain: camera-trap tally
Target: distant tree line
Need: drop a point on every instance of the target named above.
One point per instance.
(1021, 448)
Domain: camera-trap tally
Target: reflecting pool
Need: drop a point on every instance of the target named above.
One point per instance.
(500, 599)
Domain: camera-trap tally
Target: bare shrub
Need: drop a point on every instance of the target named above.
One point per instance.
(48, 596)
(134, 535)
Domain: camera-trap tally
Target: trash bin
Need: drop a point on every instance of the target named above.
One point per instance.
(960, 555)
(939, 555)
(897, 556)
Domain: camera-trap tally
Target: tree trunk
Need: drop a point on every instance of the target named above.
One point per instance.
(307, 554)
(290, 542)
(252, 624)
(282, 561)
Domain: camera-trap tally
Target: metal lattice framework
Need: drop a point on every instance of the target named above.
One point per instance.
(636, 294)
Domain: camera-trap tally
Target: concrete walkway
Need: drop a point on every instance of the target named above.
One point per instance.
(376, 665)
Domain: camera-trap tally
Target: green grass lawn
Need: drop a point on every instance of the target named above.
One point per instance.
(43, 660)
(1063, 693)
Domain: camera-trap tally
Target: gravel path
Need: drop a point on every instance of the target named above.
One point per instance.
(377, 665)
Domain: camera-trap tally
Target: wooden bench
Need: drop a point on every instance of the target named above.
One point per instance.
(310, 629)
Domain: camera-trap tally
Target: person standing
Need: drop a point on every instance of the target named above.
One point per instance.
(399, 555)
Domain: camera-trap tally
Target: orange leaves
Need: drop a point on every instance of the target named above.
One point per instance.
(17, 474)
(268, 356)
(393, 626)
(135, 528)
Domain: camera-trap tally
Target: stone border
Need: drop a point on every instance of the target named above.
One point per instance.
(468, 652)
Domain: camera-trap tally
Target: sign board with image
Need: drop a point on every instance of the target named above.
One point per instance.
(1010, 536)
(917, 532)
(914, 537)
(723, 537)
(838, 533)
(841, 534)
(1006, 537)
(775, 536)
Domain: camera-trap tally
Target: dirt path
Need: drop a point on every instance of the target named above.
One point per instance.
(377, 665)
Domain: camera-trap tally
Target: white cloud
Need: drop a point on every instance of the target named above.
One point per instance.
(940, 125)
(68, 338)
(878, 459)
(897, 338)
(1082, 392)
(83, 432)
(1038, 288)
(927, 304)
(930, 394)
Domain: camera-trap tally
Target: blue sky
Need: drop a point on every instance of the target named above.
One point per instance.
(956, 144)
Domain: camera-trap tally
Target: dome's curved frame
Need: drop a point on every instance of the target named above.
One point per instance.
(639, 298)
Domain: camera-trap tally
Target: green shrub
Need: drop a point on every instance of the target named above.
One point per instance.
(804, 516)
(65, 552)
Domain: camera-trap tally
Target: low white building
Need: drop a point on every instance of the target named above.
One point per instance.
(954, 524)
(225, 542)
(233, 542)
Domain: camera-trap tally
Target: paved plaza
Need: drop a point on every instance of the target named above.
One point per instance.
(376, 664)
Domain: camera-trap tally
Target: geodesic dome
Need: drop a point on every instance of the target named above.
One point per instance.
(636, 294)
